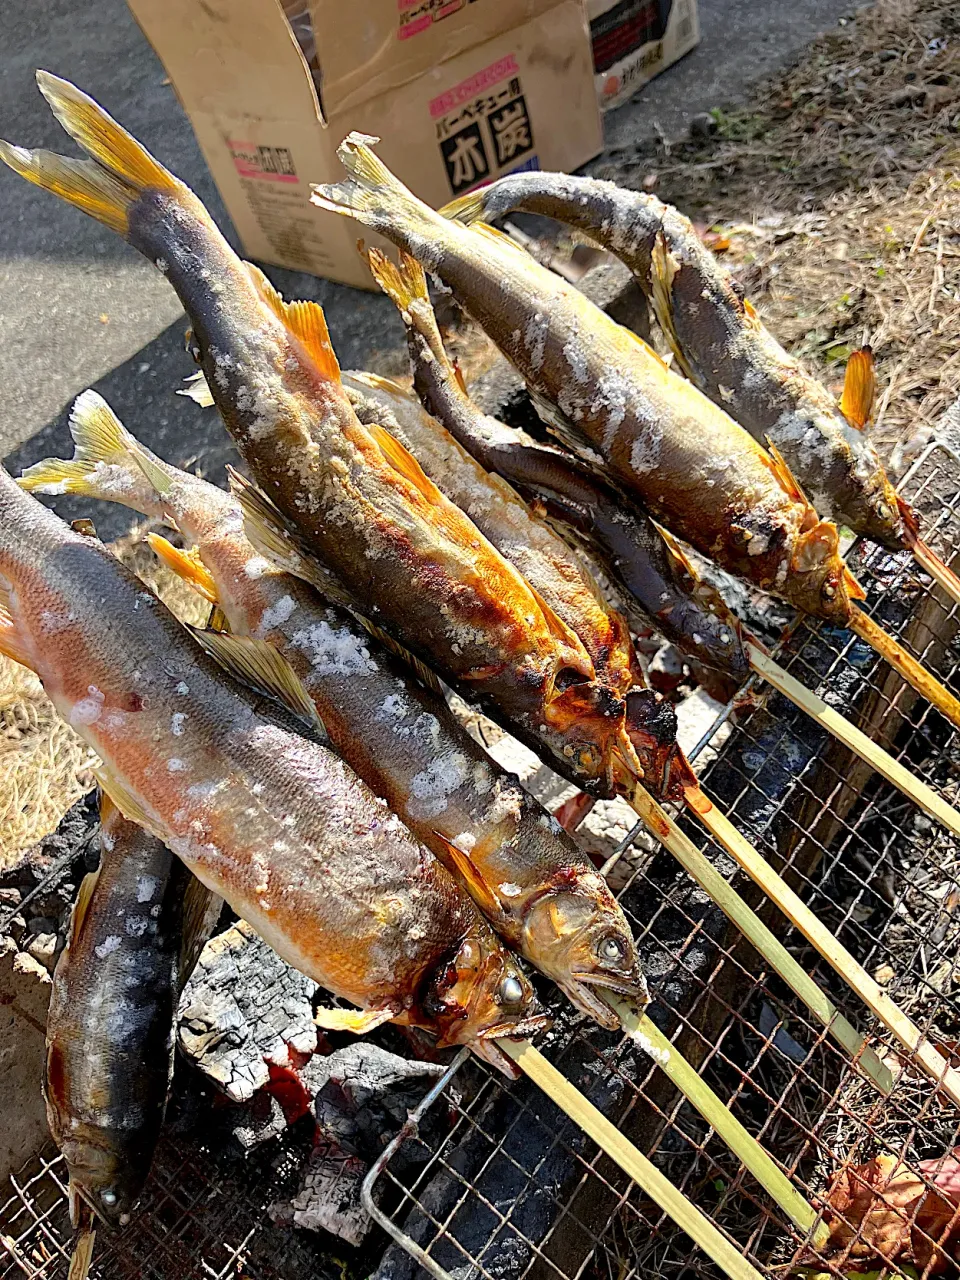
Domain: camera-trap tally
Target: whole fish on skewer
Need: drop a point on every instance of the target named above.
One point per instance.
(724, 348)
(526, 874)
(648, 566)
(425, 572)
(688, 463)
(137, 928)
(270, 820)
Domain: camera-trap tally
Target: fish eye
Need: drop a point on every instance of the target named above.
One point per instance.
(829, 590)
(510, 993)
(108, 1197)
(610, 949)
(883, 511)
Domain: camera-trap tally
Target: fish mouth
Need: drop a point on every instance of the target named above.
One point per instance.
(486, 1047)
(579, 989)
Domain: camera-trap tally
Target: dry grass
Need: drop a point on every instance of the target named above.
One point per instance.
(839, 183)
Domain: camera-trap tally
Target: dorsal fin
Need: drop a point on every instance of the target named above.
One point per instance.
(859, 388)
(377, 382)
(306, 322)
(186, 564)
(258, 664)
(663, 267)
(403, 462)
(283, 546)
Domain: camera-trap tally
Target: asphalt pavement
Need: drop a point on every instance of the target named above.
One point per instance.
(79, 308)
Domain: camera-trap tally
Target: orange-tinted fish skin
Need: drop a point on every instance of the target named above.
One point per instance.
(725, 349)
(272, 822)
(110, 1028)
(693, 468)
(419, 564)
(398, 736)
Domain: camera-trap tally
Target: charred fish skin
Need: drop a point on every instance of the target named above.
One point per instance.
(633, 553)
(110, 1027)
(694, 469)
(274, 823)
(429, 575)
(718, 339)
(400, 737)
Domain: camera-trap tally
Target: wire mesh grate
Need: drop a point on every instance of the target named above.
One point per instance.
(514, 1190)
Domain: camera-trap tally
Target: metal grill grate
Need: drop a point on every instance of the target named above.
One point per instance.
(514, 1190)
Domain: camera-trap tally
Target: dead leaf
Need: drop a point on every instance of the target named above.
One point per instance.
(885, 1209)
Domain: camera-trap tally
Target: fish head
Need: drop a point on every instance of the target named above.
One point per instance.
(585, 719)
(577, 935)
(482, 996)
(651, 732)
(819, 582)
(103, 1175)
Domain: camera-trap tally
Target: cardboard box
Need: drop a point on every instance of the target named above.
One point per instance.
(452, 113)
(634, 40)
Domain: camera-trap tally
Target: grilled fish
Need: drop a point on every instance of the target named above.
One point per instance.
(136, 929)
(423, 568)
(524, 872)
(648, 568)
(693, 468)
(270, 820)
(720, 342)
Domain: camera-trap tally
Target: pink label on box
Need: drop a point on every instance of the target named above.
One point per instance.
(414, 27)
(268, 164)
(474, 85)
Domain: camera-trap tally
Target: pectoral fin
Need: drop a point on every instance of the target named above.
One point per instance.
(81, 908)
(356, 1021)
(197, 390)
(460, 865)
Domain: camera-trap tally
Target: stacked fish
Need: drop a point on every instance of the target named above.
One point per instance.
(297, 758)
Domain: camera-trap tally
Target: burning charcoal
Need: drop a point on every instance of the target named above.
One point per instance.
(329, 1199)
(259, 1120)
(244, 1010)
(363, 1096)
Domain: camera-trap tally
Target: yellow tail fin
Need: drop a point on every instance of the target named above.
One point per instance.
(104, 463)
(859, 388)
(406, 287)
(466, 209)
(119, 169)
(372, 194)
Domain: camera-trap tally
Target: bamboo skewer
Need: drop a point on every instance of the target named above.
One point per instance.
(906, 665)
(751, 1154)
(636, 1165)
(836, 955)
(754, 930)
(941, 573)
(840, 727)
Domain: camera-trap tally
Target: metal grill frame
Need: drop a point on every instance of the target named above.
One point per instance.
(810, 1114)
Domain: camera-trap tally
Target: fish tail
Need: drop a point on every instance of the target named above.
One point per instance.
(467, 209)
(119, 168)
(108, 463)
(372, 194)
(406, 287)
